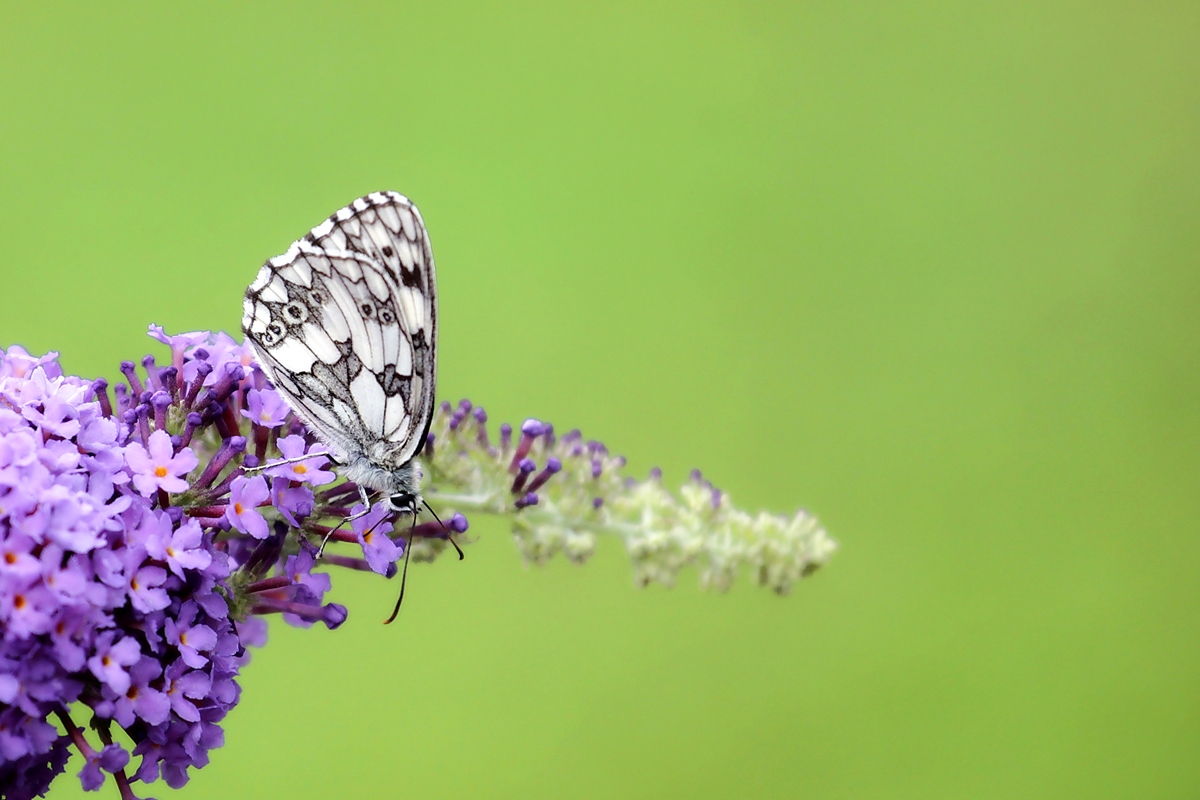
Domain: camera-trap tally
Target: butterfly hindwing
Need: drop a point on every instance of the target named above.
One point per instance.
(345, 325)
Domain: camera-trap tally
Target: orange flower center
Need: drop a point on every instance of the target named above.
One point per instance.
(183, 638)
(160, 472)
(10, 558)
(237, 508)
(19, 602)
(300, 469)
(367, 537)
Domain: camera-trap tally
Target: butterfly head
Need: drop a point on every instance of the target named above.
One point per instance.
(403, 502)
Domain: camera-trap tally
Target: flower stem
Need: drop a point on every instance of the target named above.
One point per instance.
(119, 776)
(75, 732)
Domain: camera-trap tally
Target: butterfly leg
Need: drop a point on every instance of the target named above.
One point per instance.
(366, 502)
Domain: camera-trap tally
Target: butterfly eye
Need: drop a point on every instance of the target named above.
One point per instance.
(295, 312)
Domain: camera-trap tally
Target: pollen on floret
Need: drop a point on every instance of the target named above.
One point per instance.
(160, 472)
(237, 508)
(10, 558)
(300, 469)
(19, 602)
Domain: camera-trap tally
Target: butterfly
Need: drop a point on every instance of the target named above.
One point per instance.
(344, 325)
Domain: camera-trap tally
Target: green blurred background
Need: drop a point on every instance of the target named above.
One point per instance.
(931, 271)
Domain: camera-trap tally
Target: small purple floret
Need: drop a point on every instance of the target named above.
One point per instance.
(530, 430)
(524, 468)
(130, 372)
(265, 408)
(333, 615)
(245, 496)
(553, 465)
(112, 657)
(230, 447)
(372, 531)
(307, 471)
(156, 466)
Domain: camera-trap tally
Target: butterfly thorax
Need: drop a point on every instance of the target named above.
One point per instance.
(401, 486)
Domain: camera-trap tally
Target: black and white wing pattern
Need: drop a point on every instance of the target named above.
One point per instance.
(345, 325)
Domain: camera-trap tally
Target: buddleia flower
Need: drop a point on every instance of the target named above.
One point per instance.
(145, 536)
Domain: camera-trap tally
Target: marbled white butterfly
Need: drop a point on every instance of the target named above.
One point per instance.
(345, 326)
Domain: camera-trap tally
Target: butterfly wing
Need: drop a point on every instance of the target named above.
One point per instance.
(345, 326)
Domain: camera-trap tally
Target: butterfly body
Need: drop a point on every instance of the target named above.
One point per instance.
(345, 326)
(401, 487)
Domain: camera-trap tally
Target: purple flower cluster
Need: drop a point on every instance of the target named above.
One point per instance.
(137, 556)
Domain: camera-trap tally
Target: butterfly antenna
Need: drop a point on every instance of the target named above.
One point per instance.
(403, 575)
(449, 535)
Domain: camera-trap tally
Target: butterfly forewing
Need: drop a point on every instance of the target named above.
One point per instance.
(345, 326)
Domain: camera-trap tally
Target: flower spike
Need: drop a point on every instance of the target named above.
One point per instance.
(142, 545)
